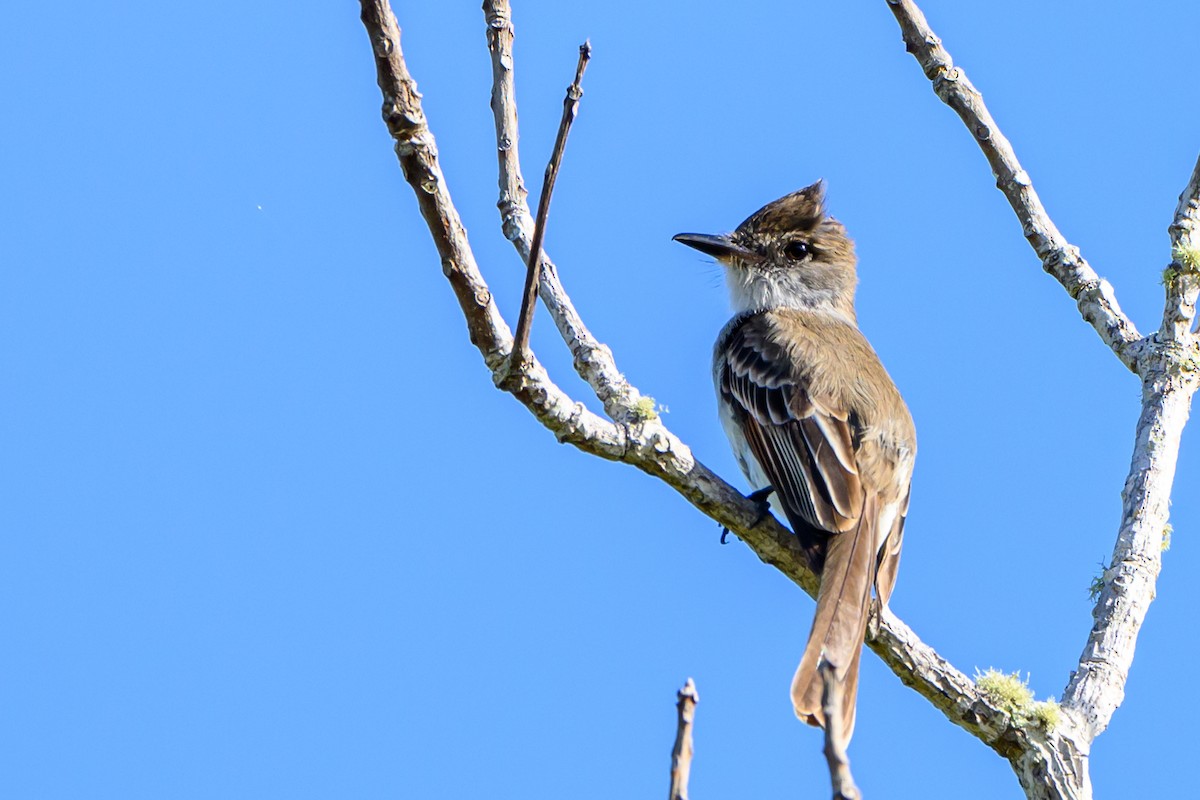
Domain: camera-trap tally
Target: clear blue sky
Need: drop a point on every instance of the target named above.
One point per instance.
(269, 532)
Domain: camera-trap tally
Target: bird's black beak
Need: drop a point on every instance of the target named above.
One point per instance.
(721, 247)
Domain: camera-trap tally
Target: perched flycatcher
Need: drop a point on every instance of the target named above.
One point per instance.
(812, 414)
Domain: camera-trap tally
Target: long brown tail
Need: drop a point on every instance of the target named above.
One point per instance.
(840, 620)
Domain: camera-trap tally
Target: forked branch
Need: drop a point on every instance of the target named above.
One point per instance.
(593, 361)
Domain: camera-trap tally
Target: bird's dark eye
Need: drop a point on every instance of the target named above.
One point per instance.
(797, 250)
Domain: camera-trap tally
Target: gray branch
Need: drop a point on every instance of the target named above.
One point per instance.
(1093, 294)
(1182, 276)
(1097, 686)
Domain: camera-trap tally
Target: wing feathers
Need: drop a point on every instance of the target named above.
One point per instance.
(805, 446)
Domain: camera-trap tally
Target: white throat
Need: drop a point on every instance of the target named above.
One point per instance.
(752, 290)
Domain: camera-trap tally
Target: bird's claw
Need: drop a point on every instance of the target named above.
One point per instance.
(764, 505)
(758, 497)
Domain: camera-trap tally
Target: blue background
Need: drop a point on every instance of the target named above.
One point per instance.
(268, 531)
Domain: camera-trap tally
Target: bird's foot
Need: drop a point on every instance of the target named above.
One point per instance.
(764, 505)
(759, 497)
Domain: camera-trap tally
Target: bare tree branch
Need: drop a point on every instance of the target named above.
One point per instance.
(593, 361)
(533, 272)
(1182, 277)
(832, 698)
(1094, 295)
(417, 152)
(1097, 686)
(681, 753)
(1170, 372)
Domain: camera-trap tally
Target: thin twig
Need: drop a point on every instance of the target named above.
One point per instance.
(592, 360)
(1182, 277)
(515, 219)
(1094, 296)
(681, 753)
(832, 699)
(529, 299)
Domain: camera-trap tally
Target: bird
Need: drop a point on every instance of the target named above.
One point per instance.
(815, 422)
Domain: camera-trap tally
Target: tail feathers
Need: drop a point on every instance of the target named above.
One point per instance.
(840, 621)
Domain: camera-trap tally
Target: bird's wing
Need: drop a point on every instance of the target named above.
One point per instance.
(803, 442)
(888, 559)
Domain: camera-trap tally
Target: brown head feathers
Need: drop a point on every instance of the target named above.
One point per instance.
(799, 211)
(797, 217)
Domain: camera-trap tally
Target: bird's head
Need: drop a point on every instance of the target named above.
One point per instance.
(788, 254)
